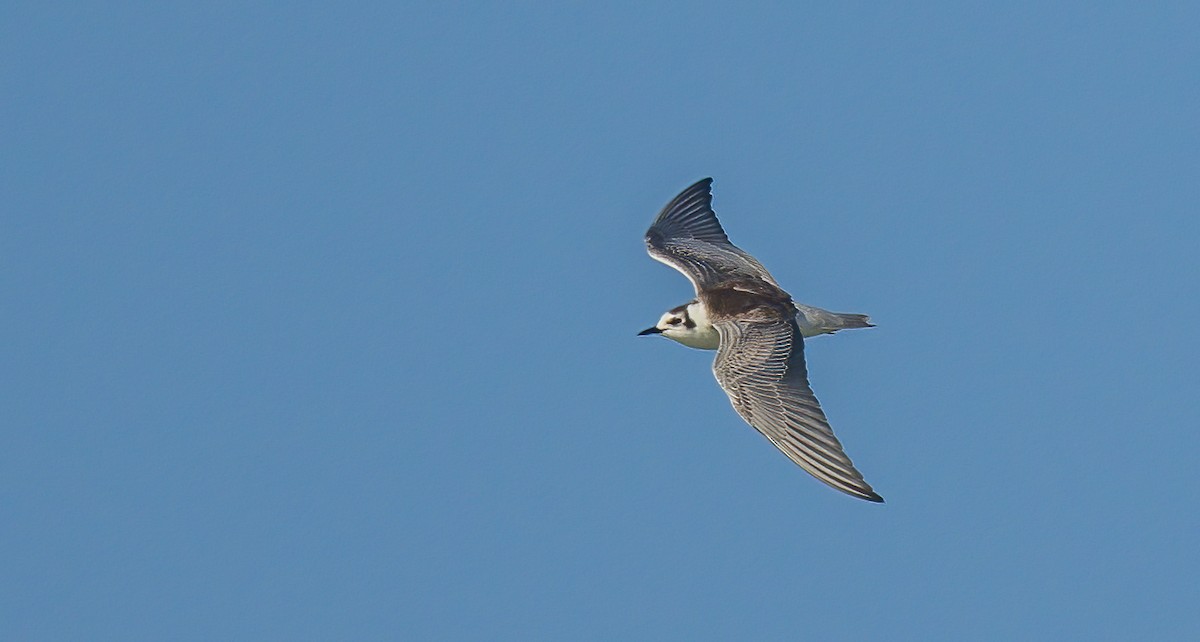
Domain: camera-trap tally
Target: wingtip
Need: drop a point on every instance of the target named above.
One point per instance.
(702, 185)
(863, 492)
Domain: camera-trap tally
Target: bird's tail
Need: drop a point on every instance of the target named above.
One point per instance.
(814, 321)
(850, 321)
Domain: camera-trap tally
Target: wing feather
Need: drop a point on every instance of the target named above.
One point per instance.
(760, 364)
(688, 237)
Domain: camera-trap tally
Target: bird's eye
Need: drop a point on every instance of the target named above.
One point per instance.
(674, 321)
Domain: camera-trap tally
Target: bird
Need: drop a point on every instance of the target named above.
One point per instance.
(758, 332)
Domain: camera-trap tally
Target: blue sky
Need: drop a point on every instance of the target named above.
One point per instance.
(320, 321)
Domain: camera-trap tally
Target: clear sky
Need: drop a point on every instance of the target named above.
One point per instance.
(319, 322)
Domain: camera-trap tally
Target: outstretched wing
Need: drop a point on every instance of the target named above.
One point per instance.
(688, 237)
(760, 364)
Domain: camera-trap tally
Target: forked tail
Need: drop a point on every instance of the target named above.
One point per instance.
(850, 321)
(814, 321)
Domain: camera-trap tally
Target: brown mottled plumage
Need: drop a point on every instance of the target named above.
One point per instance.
(758, 332)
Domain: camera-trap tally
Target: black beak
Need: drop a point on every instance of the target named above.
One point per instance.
(649, 331)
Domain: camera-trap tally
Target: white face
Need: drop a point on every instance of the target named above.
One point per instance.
(703, 336)
(672, 324)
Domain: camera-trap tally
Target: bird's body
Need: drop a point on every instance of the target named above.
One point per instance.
(758, 332)
(811, 321)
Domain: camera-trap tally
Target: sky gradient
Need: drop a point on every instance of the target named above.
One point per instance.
(320, 322)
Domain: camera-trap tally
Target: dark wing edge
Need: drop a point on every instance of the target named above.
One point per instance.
(688, 237)
(761, 367)
(690, 215)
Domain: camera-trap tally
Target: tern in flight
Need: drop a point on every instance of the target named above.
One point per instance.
(758, 332)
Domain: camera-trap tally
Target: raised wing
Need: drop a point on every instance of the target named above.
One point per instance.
(688, 237)
(761, 367)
